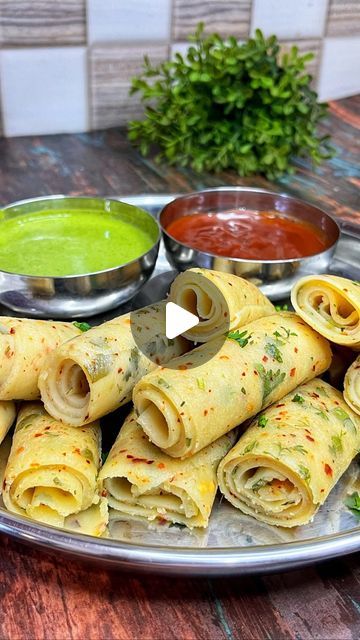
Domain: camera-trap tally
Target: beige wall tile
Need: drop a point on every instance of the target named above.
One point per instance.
(111, 68)
(343, 18)
(228, 17)
(42, 22)
(305, 46)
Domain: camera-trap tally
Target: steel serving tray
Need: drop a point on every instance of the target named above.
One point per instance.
(233, 543)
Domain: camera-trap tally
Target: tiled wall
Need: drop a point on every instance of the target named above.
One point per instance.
(66, 65)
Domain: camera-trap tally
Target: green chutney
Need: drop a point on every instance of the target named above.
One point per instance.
(67, 243)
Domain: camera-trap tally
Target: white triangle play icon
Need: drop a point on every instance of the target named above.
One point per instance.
(178, 320)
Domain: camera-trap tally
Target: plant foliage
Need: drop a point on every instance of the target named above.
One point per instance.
(227, 105)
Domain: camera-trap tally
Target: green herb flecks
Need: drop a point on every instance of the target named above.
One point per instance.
(283, 335)
(163, 383)
(271, 379)
(88, 454)
(250, 447)
(83, 326)
(345, 419)
(243, 390)
(57, 481)
(322, 414)
(337, 447)
(262, 421)
(201, 383)
(259, 484)
(353, 503)
(281, 307)
(273, 351)
(298, 398)
(300, 449)
(241, 338)
(188, 441)
(305, 473)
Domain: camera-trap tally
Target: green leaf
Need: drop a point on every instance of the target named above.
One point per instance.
(201, 383)
(353, 503)
(273, 351)
(241, 338)
(298, 398)
(262, 421)
(305, 473)
(83, 326)
(271, 379)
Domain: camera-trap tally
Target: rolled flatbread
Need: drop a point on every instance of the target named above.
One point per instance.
(94, 374)
(52, 469)
(291, 456)
(331, 305)
(142, 483)
(219, 385)
(220, 300)
(352, 386)
(24, 346)
(7, 417)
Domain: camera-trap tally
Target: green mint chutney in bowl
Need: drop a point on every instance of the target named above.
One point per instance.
(68, 257)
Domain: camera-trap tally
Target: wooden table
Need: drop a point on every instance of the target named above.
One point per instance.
(42, 596)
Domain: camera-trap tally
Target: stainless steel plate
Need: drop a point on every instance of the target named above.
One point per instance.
(233, 543)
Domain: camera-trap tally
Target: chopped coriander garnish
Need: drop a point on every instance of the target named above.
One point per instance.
(345, 418)
(322, 415)
(353, 503)
(281, 307)
(163, 383)
(243, 390)
(241, 338)
(250, 446)
(188, 441)
(201, 383)
(337, 443)
(259, 484)
(83, 326)
(300, 449)
(57, 481)
(271, 379)
(298, 398)
(304, 472)
(262, 421)
(273, 351)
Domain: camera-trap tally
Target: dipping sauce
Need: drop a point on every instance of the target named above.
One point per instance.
(251, 235)
(64, 243)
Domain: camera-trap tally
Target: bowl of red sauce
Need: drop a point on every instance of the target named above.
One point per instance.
(267, 237)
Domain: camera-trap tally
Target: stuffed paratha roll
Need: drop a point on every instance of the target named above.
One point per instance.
(291, 456)
(221, 301)
(352, 386)
(52, 469)
(331, 305)
(95, 373)
(222, 383)
(7, 417)
(145, 484)
(24, 346)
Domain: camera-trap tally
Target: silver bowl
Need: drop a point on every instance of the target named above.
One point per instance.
(80, 295)
(274, 277)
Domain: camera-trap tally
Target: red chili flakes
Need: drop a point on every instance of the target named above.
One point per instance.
(205, 412)
(292, 372)
(224, 358)
(77, 450)
(12, 330)
(104, 493)
(161, 465)
(322, 490)
(243, 374)
(314, 395)
(182, 367)
(277, 418)
(225, 314)
(255, 372)
(296, 349)
(129, 455)
(161, 520)
(336, 402)
(20, 449)
(157, 360)
(133, 459)
(328, 470)
(38, 435)
(120, 370)
(309, 438)
(265, 358)
(313, 367)
(122, 450)
(280, 405)
(88, 462)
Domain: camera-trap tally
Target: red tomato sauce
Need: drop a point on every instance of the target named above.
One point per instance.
(248, 234)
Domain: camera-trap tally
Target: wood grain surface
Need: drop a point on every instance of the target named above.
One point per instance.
(43, 596)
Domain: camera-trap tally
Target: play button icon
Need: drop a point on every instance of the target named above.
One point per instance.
(178, 320)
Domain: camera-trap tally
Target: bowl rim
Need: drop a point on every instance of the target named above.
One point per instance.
(241, 189)
(60, 196)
